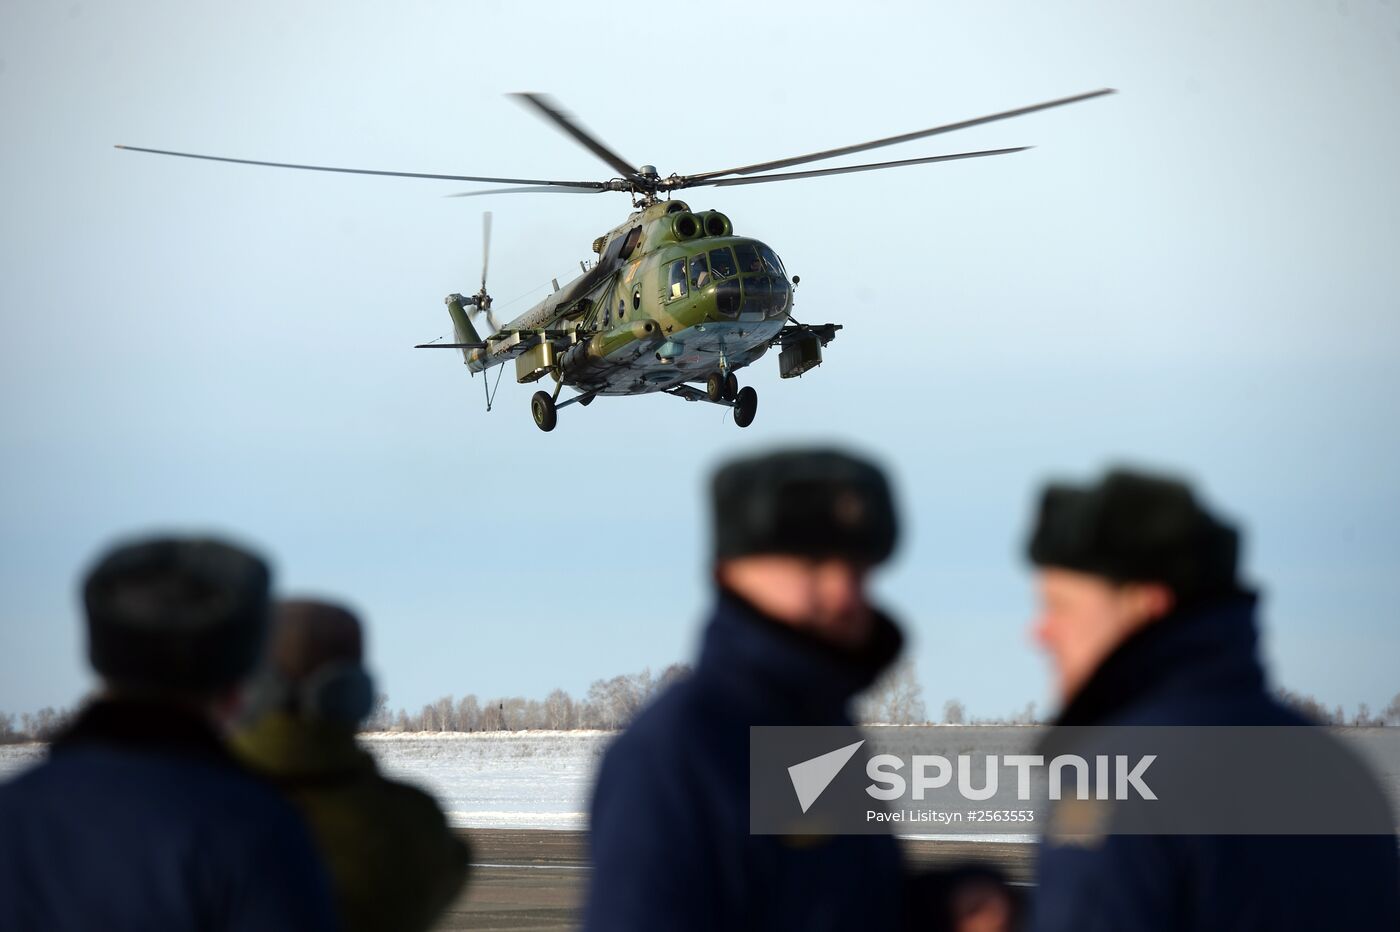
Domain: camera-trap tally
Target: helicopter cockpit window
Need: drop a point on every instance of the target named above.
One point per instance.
(722, 263)
(770, 259)
(699, 273)
(768, 295)
(748, 258)
(678, 281)
(727, 297)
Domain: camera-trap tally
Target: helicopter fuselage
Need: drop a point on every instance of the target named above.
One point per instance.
(673, 297)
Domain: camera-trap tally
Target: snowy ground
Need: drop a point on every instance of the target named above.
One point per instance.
(543, 779)
(519, 780)
(535, 779)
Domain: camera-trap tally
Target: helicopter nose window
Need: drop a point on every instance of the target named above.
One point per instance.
(758, 292)
(748, 258)
(678, 279)
(770, 259)
(781, 300)
(699, 273)
(722, 263)
(727, 297)
(766, 294)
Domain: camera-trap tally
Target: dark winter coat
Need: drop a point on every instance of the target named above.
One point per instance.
(1199, 667)
(140, 819)
(670, 819)
(393, 860)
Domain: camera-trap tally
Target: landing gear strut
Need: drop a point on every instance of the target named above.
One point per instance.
(722, 389)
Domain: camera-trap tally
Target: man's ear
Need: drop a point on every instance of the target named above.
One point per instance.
(1148, 602)
(1160, 600)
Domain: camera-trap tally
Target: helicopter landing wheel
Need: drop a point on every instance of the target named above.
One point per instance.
(731, 387)
(745, 406)
(542, 409)
(714, 387)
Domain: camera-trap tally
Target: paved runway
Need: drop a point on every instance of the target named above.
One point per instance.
(534, 880)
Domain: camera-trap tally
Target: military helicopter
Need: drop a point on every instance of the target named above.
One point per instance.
(675, 299)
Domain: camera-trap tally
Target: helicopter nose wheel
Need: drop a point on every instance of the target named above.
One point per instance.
(715, 387)
(543, 411)
(745, 406)
(722, 386)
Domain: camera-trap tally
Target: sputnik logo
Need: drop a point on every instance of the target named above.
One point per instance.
(811, 777)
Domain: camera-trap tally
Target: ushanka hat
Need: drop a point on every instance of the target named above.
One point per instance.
(1135, 527)
(814, 503)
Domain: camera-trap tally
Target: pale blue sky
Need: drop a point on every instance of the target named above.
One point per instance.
(1200, 272)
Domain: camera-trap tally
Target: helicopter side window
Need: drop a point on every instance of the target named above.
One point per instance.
(770, 259)
(699, 273)
(722, 263)
(678, 279)
(748, 258)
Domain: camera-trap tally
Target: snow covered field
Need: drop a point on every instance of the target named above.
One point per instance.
(528, 779)
(519, 780)
(536, 779)
(543, 779)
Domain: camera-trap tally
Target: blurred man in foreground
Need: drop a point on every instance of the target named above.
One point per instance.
(1146, 623)
(140, 818)
(394, 862)
(791, 640)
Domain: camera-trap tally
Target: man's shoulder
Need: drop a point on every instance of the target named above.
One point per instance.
(683, 715)
(404, 802)
(1209, 708)
(174, 787)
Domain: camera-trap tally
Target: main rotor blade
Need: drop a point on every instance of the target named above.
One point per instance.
(561, 119)
(532, 189)
(485, 246)
(895, 140)
(845, 169)
(597, 185)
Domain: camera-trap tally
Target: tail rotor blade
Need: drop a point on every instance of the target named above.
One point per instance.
(485, 246)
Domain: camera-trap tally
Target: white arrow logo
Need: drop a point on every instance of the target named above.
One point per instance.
(811, 777)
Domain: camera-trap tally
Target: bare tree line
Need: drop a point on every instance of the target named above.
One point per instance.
(1314, 709)
(895, 699)
(33, 726)
(609, 704)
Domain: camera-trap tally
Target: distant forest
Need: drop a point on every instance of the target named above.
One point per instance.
(895, 699)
